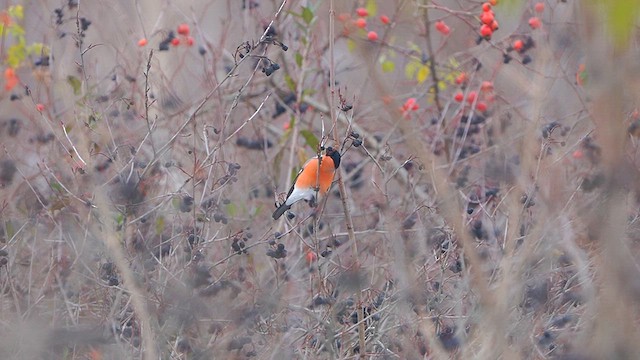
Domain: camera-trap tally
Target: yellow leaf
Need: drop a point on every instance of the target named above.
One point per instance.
(423, 73)
(388, 66)
(16, 11)
(410, 70)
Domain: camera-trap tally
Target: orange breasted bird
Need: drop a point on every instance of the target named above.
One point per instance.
(311, 180)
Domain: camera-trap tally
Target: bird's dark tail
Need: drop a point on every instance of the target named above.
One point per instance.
(280, 210)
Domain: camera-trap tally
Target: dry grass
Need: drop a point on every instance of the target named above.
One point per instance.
(135, 211)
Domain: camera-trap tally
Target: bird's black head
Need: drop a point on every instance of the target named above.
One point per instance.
(334, 155)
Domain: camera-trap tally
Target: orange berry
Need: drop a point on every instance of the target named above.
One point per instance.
(459, 96)
(534, 22)
(361, 23)
(385, 19)
(471, 97)
(462, 78)
(486, 86)
(518, 45)
(481, 106)
(486, 7)
(493, 2)
(539, 7)
(362, 12)
(175, 41)
(40, 107)
(485, 31)
(11, 79)
(183, 29)
(372, 35)
(142, 42)
(442, 27)
(487, 17)
(190, 41)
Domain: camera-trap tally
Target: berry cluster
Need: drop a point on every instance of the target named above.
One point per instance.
(486, 93)
(488, 22)
(521, 46)
(361, 22)
(410, 105)
(183, 37)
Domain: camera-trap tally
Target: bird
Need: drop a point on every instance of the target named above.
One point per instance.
(310, 181)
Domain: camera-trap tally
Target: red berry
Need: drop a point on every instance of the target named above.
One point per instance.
(372, 35)
(343, 17)
(442, 28)
(577, 154)
(518, 45)
(487, 17)
(494, 25)
(190, 41)
(142, 42)
(486, 7)
(362, 12)
(539, 7)
(462, 78)
(311, 257)
(183, 29)
(485, 31)
(459, 96)
(40, 107)
(385, 19)
(534, 22)
(175, 41)
(471, 97)
(361, 23)
(486, 86)
(481, 106)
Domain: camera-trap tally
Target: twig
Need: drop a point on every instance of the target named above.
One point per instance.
(341, 186)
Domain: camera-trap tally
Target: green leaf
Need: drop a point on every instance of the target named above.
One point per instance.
(290, 83)
(160, 225)
(311, 139)
(75, 83)
(388, 66)
(92, 121)
(309, 92)
(56, 186)
(372, 7)
(16, 30)
(120, 220)
(10, 230)
(351, 45)
(232, 209)
(16, 54)
(298, 59)
(622, 16)
(38, 49)
(307, 15)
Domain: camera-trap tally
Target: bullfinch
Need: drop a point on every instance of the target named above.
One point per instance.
(310, 181)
